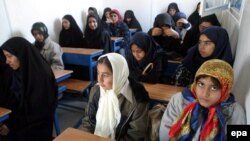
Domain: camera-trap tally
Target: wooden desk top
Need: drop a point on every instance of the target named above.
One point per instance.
(60, 73)
(71, 134)
(162, 92)
(4, 111)
(84, 51)
(116, 38)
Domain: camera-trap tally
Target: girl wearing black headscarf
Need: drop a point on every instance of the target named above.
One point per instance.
(213, 44)
(192, 36)
(146, 59)
(195, 17)
(35, 90)
(70, 35)
(173, 9)
(166, 34)
(106, 16)
(95, 36)
(131, 21)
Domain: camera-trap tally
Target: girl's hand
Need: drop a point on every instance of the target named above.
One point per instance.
(4, 130)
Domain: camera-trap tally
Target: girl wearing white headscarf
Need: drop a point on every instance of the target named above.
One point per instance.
(118, 105)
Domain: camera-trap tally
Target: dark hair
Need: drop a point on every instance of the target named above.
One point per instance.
(213, 79)
(104, 60)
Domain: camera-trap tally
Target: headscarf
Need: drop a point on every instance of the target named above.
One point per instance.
(108, 114)
(37, 83)
(94, 10)
(222, 50)
(148, 45)
(163, 19)
(41, 27)
(71, 37)
(98, 38)
(117, 13)
(134, 22)
(173, 5)
(107, 9)
(213, 122)
(212, 19)
(195, 17)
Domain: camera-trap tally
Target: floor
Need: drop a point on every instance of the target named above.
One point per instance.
(70, 109)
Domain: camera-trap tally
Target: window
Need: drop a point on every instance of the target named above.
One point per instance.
(212, 6)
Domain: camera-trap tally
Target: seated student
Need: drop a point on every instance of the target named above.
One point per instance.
(50, 50)
(119, 29)
(195, 17)
(203, 111)
(173, 9)
(34, 92)
(192, 36)
(106, 15)
(70, 35)
(131, 21)
(166, 35)
(95, 36)
(118, 107)
(213, 44)
(146, 60)
(92, 10)
(182, 24)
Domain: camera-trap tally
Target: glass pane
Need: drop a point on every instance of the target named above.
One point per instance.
(236, 4)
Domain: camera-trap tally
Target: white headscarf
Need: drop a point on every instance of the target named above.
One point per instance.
(108, 114)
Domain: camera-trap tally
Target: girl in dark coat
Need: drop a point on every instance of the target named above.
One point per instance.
(131, 21)
(95, 35)
(213, 44)
(118, 105)
(70, 35)
(119, 29)
(106, 15)
(146, 60)
(35, 91)
(192, 36)
(195, 17)
(166, 35)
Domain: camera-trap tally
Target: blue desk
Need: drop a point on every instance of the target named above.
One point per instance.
(60, 75)
(82, 56)
(4, 114)
(132, 31)
(116, 41)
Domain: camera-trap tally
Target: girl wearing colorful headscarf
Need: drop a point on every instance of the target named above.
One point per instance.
(203, 111)
(118, 105)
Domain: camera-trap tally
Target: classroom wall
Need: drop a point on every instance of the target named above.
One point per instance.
(17, 16)
(242, 62)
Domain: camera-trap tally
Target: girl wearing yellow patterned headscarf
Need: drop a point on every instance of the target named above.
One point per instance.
(203, 112)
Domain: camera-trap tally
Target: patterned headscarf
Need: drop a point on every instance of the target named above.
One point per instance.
(213, 123)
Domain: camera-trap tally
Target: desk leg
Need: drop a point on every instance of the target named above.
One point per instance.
(56, 124)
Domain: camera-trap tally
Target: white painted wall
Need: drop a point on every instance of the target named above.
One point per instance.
(242, 62)
(17, 16)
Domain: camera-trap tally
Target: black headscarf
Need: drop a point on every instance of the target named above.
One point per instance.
(148, 45)
(38, 93)
(163, 19)
(212, 19)
(41, 27)
(195, 17)
(222, 51)
(107, 9)
(98, 38)
(5, 82)
(173, 5)
(71, 37)
(134, 22)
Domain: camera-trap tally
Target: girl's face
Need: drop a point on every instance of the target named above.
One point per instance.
(104, 76)
(11, 60)
(206, 46)
(128, 19)
(137, 52)
(92, 23)
(172, 12)
(38, 35)
(114, 17)
(66, 24)
(204, 25)
(107, 15)
(207, 92)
